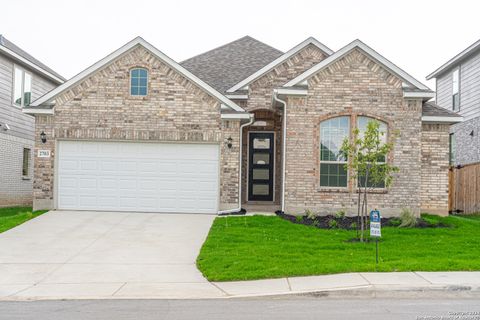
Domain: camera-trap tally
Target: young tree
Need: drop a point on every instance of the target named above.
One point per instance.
(367, 160)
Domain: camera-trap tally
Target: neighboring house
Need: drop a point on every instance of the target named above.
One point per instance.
(243, 125)
(458, 90)
(22, 80)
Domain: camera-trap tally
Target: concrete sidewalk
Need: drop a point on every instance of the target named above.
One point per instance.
(404, 284)
(350, 282)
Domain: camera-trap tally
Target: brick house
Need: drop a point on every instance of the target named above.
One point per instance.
(241, 126)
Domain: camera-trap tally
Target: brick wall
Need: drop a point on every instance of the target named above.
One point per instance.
(101, 107)
(434, 173)
(260, 102)
(354, 85)
(15, 189)
(260, 91)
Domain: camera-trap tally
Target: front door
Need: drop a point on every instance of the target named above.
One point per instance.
(260, 170)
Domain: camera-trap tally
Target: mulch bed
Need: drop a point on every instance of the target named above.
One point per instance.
(348, 223)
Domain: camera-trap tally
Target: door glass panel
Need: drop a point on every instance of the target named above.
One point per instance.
(261, 174)
(260, 189)
(259, 143)
(261, 158)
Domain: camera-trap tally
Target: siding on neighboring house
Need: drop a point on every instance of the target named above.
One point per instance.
(15, 188)
(21, 125)
(467, 146)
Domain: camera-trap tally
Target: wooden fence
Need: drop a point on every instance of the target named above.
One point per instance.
(464, 189)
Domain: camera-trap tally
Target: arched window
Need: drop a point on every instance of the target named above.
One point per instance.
(332, 162)
(362, 123)
(138, 82)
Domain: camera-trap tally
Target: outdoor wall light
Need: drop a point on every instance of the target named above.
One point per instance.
(229, 142)
(43, 137)
(471, 133)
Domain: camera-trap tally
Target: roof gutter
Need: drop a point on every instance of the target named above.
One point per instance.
(437, 119)
(32, 65)
(252, 118)
(284, 144)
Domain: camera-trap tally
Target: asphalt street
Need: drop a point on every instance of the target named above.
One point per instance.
(254, 308)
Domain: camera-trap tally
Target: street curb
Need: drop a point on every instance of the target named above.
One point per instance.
(361, 292)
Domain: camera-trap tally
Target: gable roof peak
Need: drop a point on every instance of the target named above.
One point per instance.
(357, 43)
(50, 96)
(258, 73)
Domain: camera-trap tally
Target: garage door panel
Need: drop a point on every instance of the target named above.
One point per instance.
(150, 177)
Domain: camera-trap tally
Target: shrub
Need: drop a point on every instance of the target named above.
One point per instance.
(395, 222)
(298, 219)
(353, 226)
(333, 224)
(408, 219)
(310, 215)
(340, 214)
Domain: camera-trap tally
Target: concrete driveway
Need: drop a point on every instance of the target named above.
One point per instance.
(66, 254)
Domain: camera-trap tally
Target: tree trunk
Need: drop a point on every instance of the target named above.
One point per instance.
(358, 213)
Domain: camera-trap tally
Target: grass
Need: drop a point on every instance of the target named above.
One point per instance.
(258, 247)
(14, 216)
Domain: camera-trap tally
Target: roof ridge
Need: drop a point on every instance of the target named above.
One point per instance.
(1, 39)
(227, 44)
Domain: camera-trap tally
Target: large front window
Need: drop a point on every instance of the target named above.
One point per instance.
(22, 87)
(332, 162)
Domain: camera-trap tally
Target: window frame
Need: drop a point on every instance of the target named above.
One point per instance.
(26, 156)
(456, 89)
(452, 148)
(341, 163)
(24, 73)
(352, 186)
(138, 86)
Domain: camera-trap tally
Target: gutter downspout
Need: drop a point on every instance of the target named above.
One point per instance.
(284, 145)
(252, 118)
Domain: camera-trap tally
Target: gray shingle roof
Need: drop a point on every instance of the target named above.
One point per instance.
(431, 109)
(229, 64)
(10, 45)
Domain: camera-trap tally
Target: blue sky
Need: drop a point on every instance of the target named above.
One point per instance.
(69, 36)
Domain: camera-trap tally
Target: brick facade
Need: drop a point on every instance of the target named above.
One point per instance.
(354, 85)
(434, 173)
(101, 108)
(260, 103)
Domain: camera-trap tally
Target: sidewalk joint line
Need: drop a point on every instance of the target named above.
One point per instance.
(219, 288)
(289, 286)
(120, 288)
(420, 276)
(361, 275)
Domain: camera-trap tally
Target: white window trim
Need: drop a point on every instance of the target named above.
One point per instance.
(22, 89)
(344, 162)
(457, 92)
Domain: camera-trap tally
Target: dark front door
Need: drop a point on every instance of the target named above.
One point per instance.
(260, 170)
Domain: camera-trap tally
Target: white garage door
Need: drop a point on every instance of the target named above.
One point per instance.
(146, 177)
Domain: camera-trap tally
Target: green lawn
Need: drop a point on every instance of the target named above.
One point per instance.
(13, 216)
(258, 247)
